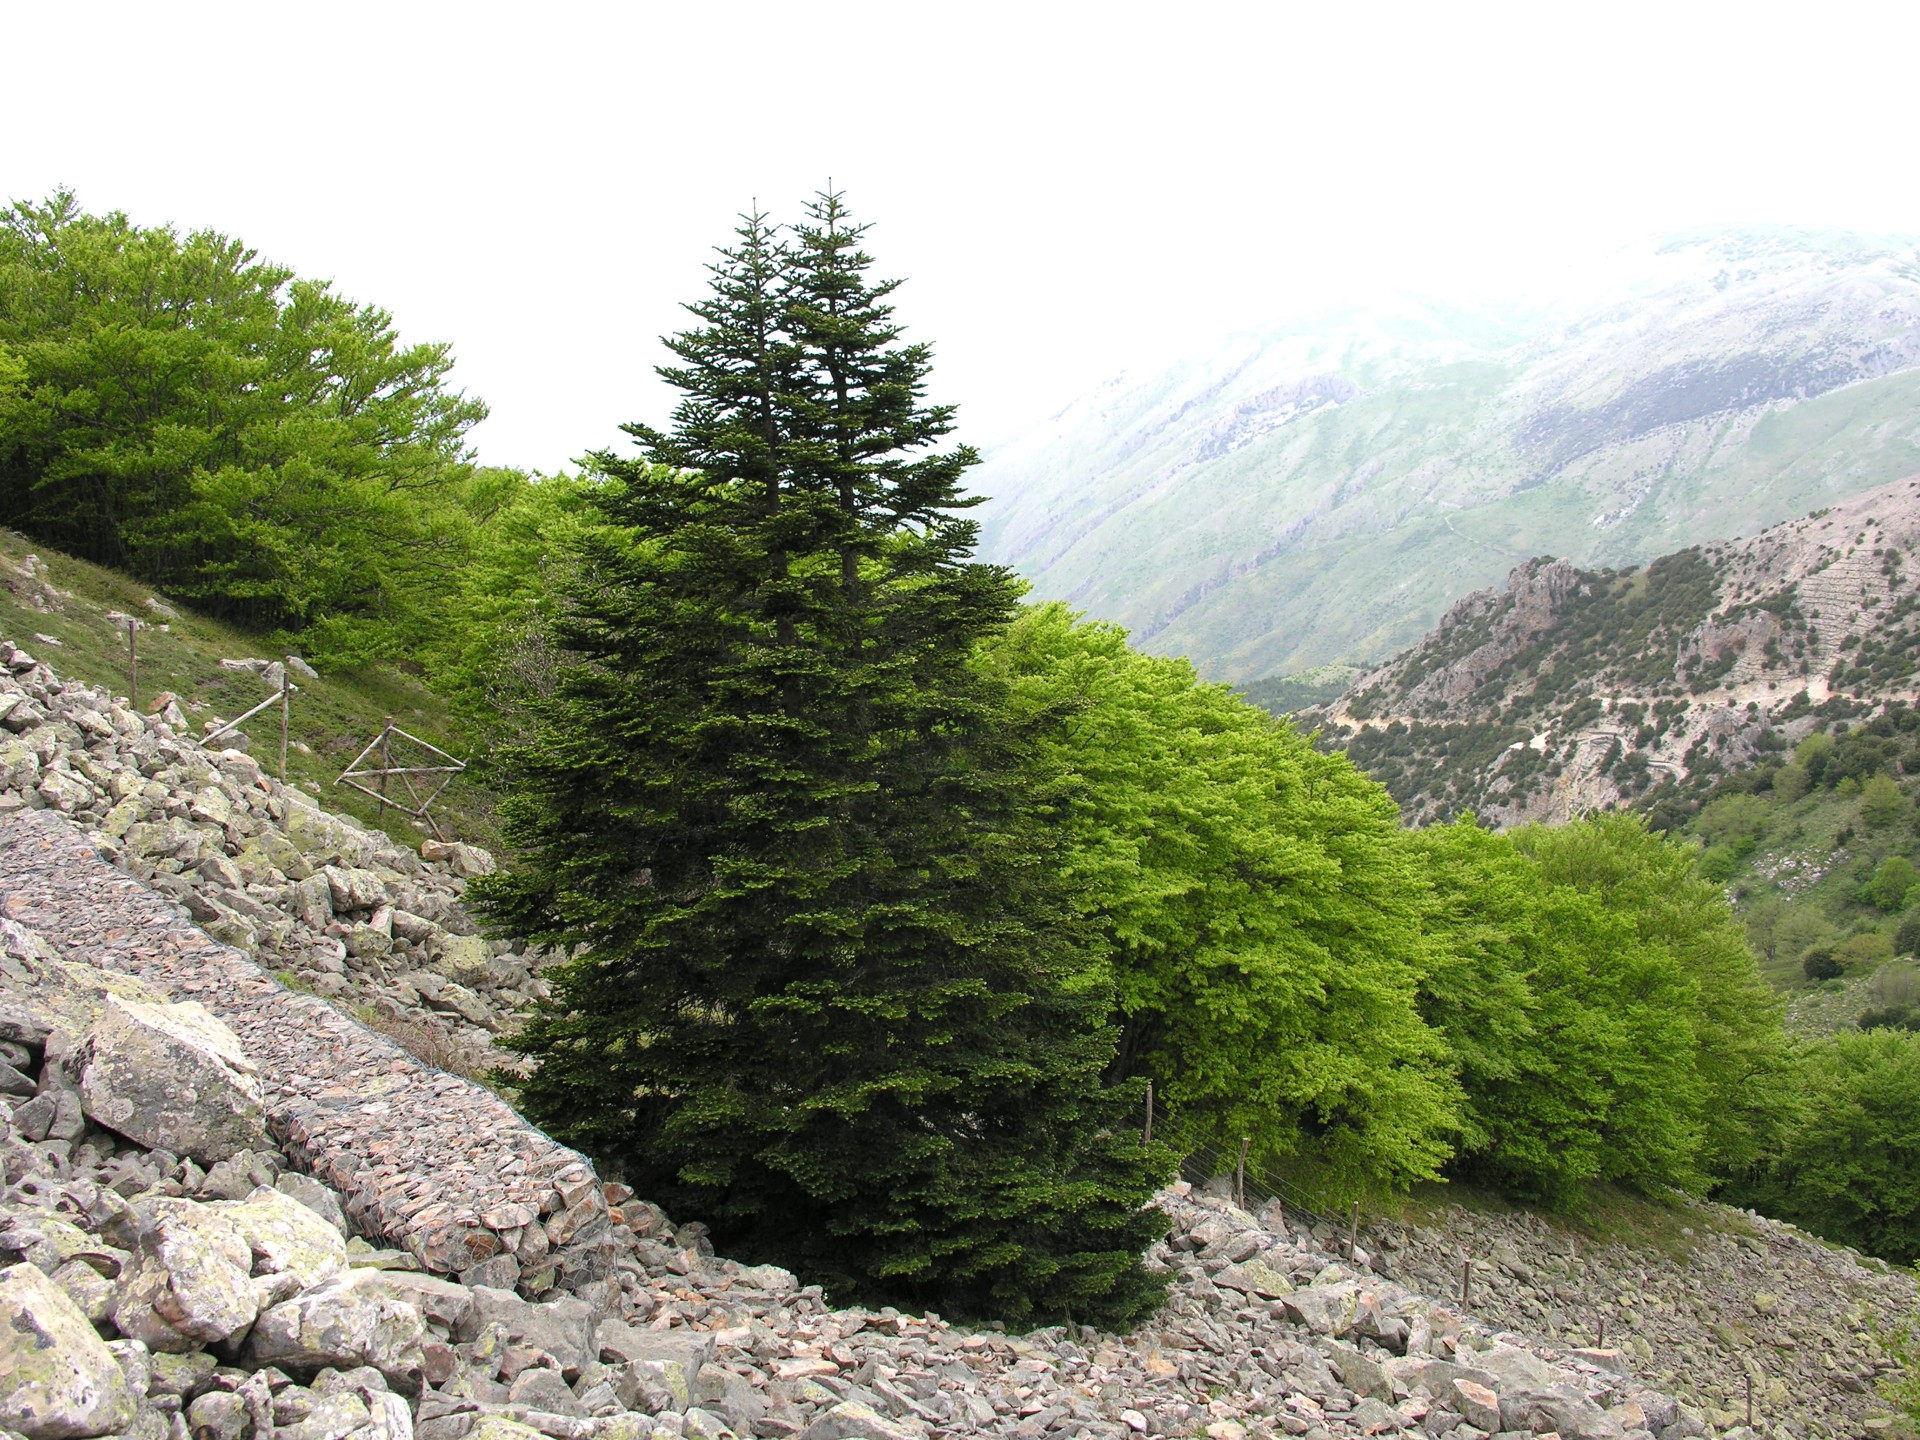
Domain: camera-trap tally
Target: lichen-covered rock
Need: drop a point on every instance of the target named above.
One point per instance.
(1477, 1404)
(316, 1197)
(850, 1420)
(50, 1241)
(338, 1325)
(58, 1380)
(670, 1360)
(441, 1301)
(563, 1328)
(467, 861)
(173, 1077)
(217, 1415)
(499, 1427)
(40, 993)
(1323, 1309)
(286, 1238)
(192, 1286)
(1255, 1277)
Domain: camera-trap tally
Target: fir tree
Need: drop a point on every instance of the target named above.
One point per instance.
(830, 993)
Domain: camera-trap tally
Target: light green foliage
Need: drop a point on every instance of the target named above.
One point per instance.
(1864, 950)
(1732, 820)
(1891, 881)
(1791, 782)
(1849, 1169)
(1502, 967)
(1603, 1006)
(1881, 803)
(1262, 911)
(1720, 1093)
(250, 442)
(1896, 985)
(496, 656)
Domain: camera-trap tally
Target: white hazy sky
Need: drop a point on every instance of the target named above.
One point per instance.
(1066, 187)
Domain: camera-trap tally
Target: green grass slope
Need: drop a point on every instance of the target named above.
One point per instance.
(45, 593)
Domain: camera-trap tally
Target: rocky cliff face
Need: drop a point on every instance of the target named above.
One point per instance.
(1571, 690)
(1322, 491)
(230, 1211)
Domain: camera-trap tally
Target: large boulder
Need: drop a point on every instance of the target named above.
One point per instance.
(58, 1380)
(172, 1077)
(286, 1238)
(851, 1420)
(1478, 1405)
(1324, 1309)
(1537, 1396)
(442, 1302)
(1256, 1276)
(41, 994)
(469, 862)
(670, 1360)
(346, 1322)
(563, 1328)
(192, 1285)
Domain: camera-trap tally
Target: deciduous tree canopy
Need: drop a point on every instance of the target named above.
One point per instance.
(249, 441)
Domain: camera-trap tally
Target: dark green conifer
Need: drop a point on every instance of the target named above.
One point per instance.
(831, 995)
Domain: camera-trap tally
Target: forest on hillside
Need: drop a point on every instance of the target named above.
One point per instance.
(891, 895)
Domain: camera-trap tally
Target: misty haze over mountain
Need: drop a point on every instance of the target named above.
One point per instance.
(1320, 489)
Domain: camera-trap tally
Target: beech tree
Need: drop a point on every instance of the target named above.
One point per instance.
(1848, 1167)
(247, 440)
(830, 991)
(1261, 913)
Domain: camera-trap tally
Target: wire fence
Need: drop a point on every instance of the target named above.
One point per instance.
(1254, 1185)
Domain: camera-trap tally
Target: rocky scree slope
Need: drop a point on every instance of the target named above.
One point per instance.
(1739, 1299)
(1571, 690)
(328, 905)
(1322, 490)
(203, 1177)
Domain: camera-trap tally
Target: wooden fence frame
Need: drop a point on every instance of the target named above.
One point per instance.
(406, 774)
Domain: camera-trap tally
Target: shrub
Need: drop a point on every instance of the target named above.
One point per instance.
(1888, 888)
(1906, 940)
(1870, 947)
(1819, 964)
(1896, 985)
(1881, 803)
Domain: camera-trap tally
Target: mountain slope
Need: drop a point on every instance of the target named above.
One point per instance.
(1575, 689)
(1320, 492)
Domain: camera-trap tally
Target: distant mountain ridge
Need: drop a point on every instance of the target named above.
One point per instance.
(1571, 690)
(1319, 492)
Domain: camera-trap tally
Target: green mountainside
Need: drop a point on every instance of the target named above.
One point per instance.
(1571, 690)
(1321, 491)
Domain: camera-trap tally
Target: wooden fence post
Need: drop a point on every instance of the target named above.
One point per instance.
(133, 665)
(286, 701)
(1146, 1137)
(1466, 1281)
(1240, 1174)
(386, 763)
